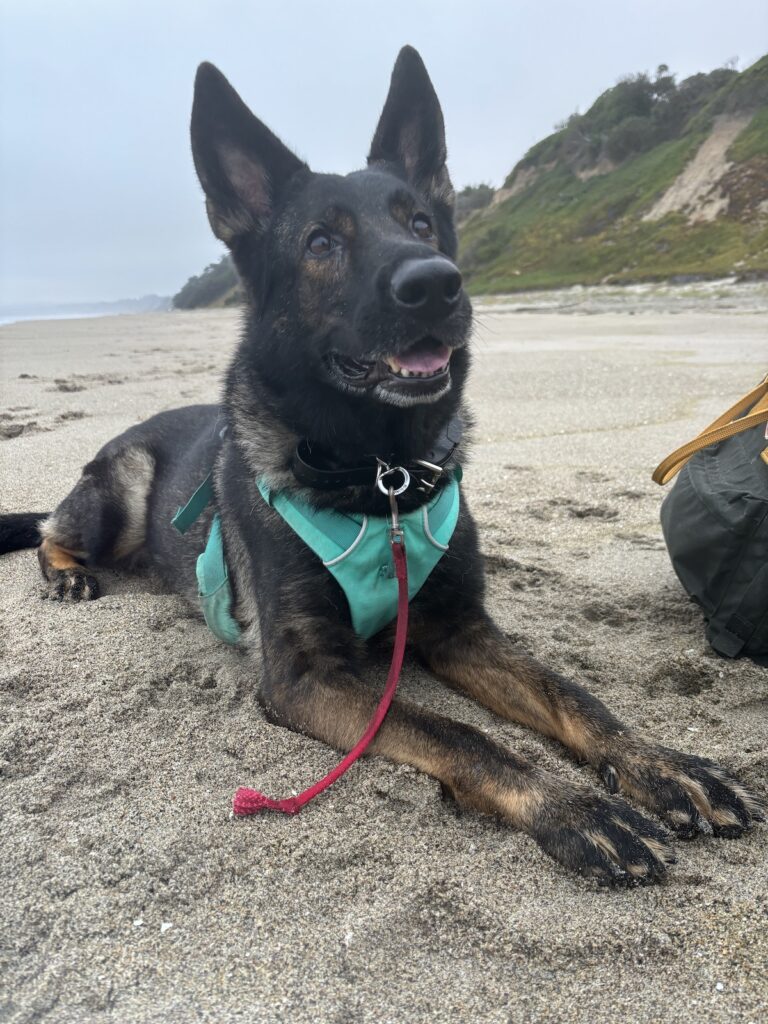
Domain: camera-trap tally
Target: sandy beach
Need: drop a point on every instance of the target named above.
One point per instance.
(129, 894)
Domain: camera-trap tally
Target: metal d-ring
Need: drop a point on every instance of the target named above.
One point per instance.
(383, 473)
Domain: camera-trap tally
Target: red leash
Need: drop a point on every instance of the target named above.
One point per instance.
(250, 801)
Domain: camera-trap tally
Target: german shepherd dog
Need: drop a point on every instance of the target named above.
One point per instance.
(356, 346)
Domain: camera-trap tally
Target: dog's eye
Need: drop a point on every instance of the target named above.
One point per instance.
(421, 226)
(320, 243)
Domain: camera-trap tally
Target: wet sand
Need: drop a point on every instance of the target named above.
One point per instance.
(127, 891)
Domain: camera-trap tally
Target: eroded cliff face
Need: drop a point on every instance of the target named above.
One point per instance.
(699, 191)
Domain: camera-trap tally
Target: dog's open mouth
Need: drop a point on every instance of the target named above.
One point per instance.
(424, 369)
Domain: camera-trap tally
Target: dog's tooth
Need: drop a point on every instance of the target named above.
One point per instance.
(392, 363)
(405, 373)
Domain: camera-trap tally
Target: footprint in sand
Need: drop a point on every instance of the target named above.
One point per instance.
(684, 675)
(591, 511)
(608, 614)
(630, 494)
(593, 476)
(11, 426)
(546, 510)
(80, 382)
(647, 541)
(11, 430)
(73, 414)
(519, 575)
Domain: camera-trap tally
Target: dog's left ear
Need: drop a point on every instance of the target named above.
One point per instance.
(411, 133)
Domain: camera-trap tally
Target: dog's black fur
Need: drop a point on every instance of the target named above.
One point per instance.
(342, 274)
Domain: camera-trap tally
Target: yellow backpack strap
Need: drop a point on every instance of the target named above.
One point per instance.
(730, 423)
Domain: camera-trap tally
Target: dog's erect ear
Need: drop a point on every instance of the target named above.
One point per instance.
(411, 132)
(241, 165)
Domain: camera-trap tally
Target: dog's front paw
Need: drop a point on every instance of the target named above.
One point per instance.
(69, 585)
(602, 838)
(691, 794)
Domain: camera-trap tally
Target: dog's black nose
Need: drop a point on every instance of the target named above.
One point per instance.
(427, 287)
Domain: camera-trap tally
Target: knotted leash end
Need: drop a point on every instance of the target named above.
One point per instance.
(251, 801)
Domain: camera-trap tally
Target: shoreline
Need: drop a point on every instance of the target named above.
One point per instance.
(655, 296)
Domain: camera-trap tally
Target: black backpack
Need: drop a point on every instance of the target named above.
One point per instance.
(715, 523)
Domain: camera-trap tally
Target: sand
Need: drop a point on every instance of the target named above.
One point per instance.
(128, 892)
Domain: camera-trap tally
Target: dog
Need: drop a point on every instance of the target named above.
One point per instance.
(353, 361)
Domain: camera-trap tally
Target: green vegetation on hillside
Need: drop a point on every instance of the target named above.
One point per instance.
(753, 141)
(572, 209)
(471, 198)
(746, 91)
(218, 285)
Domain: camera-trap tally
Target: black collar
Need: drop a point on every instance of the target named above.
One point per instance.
(425, 472)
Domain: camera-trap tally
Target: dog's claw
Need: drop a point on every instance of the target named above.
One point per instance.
(610, 778)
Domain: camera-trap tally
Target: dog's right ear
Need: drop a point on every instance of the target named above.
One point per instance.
(241, 165)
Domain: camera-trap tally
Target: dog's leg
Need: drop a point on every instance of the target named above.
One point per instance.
(101, 521)
(690, 793)
(312, 686)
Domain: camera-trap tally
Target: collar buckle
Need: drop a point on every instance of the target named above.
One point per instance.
(426, 484)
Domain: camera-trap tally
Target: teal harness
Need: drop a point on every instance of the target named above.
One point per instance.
(355, 549)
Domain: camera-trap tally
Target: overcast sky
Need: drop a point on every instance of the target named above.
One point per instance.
(98, 197)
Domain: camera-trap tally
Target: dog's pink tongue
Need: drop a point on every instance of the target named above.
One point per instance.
(425, 360)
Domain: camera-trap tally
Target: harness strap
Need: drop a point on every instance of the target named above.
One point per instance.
(251, 801)
(195, 507)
